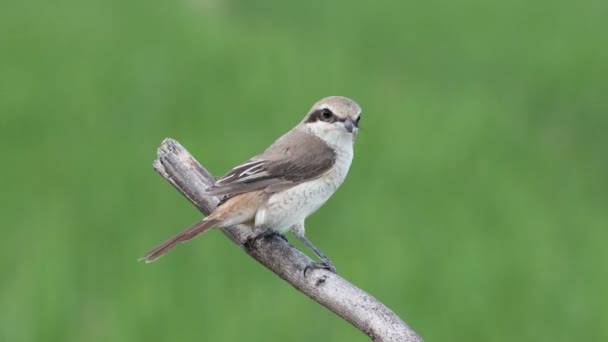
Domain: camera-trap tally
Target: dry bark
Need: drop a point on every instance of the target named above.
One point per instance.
(354, 305)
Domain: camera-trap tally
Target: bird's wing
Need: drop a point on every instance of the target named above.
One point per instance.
(296, 157)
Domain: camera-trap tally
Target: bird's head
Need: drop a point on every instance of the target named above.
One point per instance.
(334, 119)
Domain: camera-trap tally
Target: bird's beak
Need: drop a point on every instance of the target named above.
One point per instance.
(349, 125)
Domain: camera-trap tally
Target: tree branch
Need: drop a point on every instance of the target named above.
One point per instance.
(354, 305)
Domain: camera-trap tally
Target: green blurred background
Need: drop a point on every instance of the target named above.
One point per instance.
(476, 207)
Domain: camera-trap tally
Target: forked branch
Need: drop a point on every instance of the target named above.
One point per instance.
(354, 305)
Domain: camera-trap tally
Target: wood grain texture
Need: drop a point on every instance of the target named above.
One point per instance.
(346, 300)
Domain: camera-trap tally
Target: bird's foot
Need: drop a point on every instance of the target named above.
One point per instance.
(325, 265)
(265, 234)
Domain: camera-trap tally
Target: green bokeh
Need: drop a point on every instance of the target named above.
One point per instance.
(476, 206)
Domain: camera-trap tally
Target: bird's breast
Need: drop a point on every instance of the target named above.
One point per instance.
(292, 206)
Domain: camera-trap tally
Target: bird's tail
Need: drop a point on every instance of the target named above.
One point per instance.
(186, 235)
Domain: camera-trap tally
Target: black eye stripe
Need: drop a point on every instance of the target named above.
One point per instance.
(318, 115)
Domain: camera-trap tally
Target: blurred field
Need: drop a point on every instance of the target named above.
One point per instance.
(476, 207)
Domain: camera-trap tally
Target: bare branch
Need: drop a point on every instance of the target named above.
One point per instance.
(354, 305)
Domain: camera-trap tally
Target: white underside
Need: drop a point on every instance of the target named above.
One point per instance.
(292, 206)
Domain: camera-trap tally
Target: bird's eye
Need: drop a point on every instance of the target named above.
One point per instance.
(327, 114)
(357, 121)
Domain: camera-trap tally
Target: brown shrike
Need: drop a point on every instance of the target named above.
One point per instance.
(277, 190)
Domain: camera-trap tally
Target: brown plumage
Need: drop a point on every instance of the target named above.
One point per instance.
(236, 210)
(185, 235)
(304, 154)
(295, 157)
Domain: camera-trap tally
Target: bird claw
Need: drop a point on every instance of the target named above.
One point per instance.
(267, 233)
(325, 265)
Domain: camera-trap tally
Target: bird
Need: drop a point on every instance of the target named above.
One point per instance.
(278, 189)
